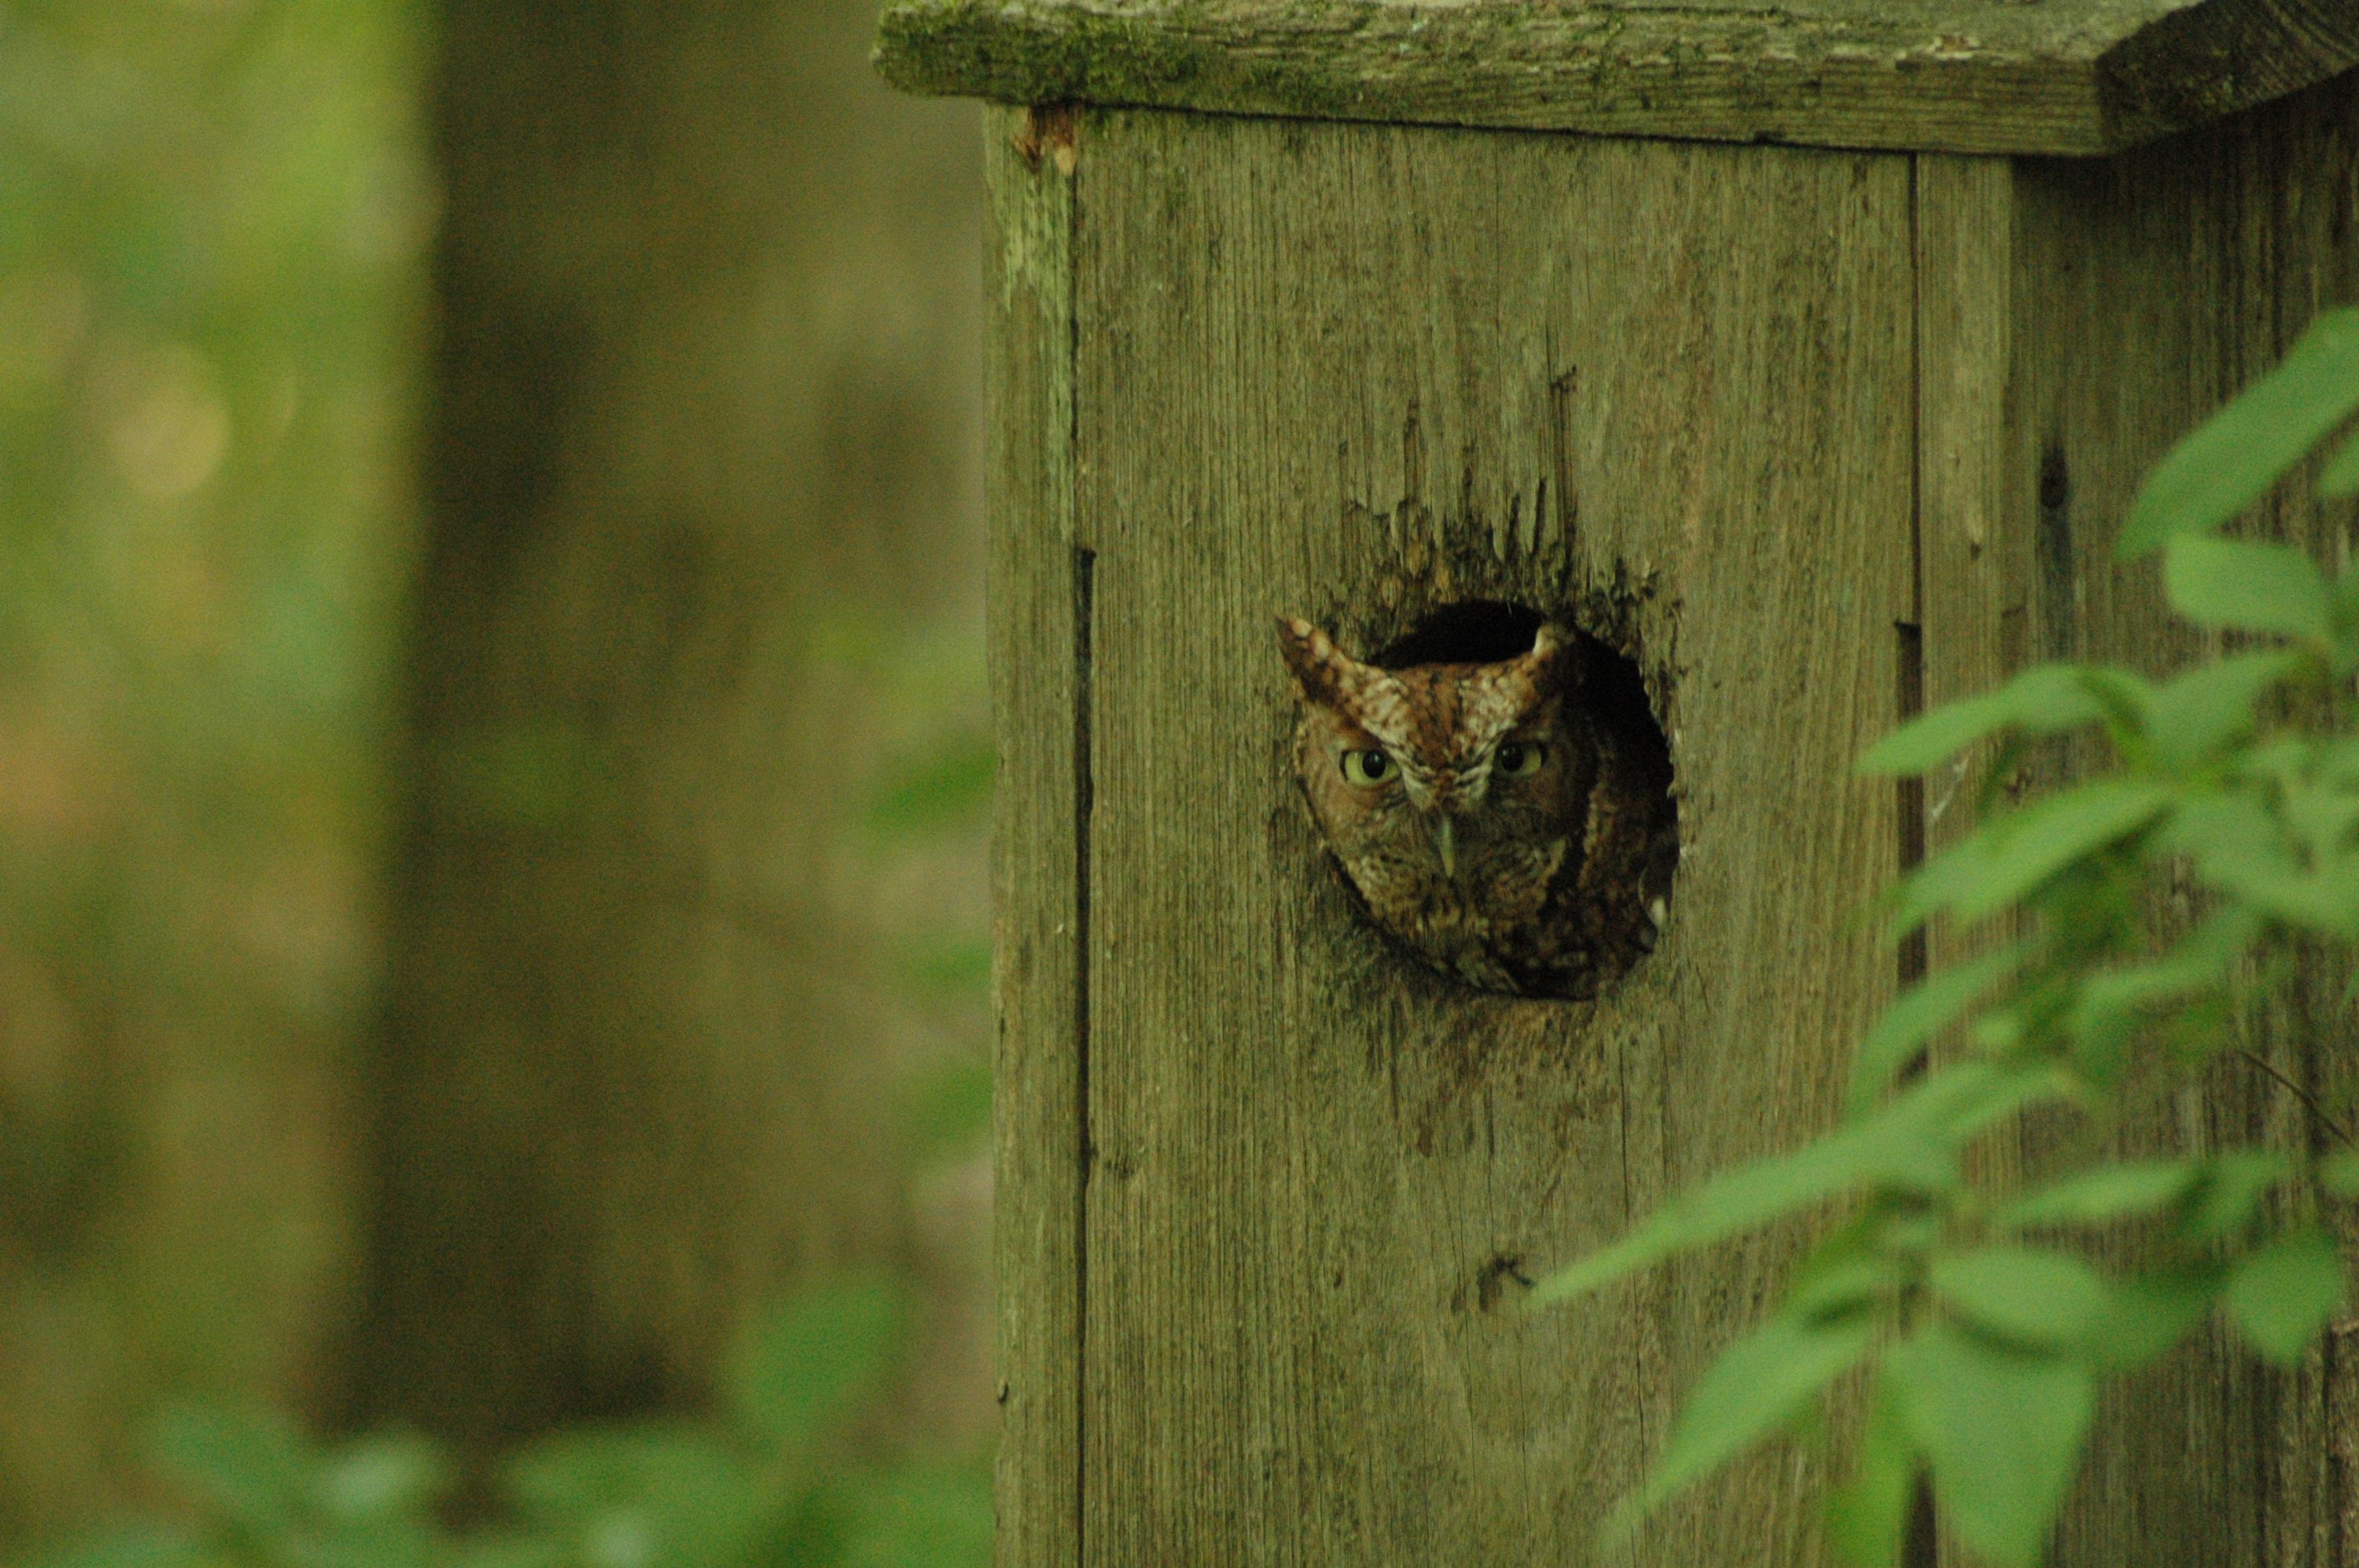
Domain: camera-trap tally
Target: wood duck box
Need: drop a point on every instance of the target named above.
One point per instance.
(1804, 359)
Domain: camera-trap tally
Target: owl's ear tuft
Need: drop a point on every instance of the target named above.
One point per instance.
(1321, 669)
(1557, 662)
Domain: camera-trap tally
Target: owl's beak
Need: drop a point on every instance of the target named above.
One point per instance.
(1445, 842)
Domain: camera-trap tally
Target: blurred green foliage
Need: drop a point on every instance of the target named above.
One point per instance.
(211, 218)
(921, 830)
(772, 1482)
(945, 790)
(212, 225)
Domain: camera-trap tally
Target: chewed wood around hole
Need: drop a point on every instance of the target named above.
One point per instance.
(1494, 786)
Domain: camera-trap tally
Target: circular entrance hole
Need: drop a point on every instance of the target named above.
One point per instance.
(1611, 896)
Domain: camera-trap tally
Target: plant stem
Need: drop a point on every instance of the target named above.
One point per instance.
(2327, 1118)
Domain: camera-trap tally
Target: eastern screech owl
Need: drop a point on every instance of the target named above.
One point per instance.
(1490, 817)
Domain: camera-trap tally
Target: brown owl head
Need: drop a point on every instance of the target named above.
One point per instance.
(1437, 739)
(1456, 797)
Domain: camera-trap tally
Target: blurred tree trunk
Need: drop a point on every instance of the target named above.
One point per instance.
(705, 420)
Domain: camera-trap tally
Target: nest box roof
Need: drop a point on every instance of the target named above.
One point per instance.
(1985, 76)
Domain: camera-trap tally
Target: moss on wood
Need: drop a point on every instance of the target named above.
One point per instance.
(2066, 76)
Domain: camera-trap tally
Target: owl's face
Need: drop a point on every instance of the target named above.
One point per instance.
(1444, 787)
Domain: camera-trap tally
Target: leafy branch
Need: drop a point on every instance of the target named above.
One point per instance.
(766, 1481)
(1987, 1328)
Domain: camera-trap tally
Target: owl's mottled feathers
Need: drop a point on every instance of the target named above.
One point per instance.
(1489, 816)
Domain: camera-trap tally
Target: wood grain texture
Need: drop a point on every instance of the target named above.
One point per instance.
(1357, 372)
(1037, 840)
(1271, 1188)
(1970, 573)
(2062, 77)
(2078, 318)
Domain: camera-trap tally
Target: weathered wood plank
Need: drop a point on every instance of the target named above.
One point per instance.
(2078, 318)
(1965, 257)
(1036, 589)
(1357, 372)
(2063, 76)
(1970, 595)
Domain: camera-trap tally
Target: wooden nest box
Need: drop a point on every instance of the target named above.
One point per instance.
(1805, 357)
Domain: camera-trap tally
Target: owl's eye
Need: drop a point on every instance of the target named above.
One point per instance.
(1368, 767)
(1515, 758)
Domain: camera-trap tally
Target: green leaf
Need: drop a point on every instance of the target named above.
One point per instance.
(920, 1516)
(1759, 1384)
(1998, 1032)
(1864, 1258)
(2113, 1003)
(642, 1496)
(1840, 1284)
(2046, 699)
(952, 968)
(579, 1472)
(387, 1542)
(2234, 458)
(2009, 857)
(2123, 695)
(1960, 1102)
(937, 793)
(511, 1549)
(2193, 715)
(2002, 1428)
(1920, 1014)
(2239, 848)
(2205, 959)
(2339, 1173)
(1910, 1145)
(2247, 587)
(2283, 759)
(250, 1466)
(1867, 1516)
(2148, 1313)
(1734, 1201)
(2231, 1191)
(2345, 594)
(2284, 1294)
(947, 1107)
(2322, 818)
(2104, 1194)
(2340, 478)
(821, 1353)
(2231, 837)
(145, 1546)
(2325, 901)
(383, 1477)
(1753, 1195)
(2019, 1292)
